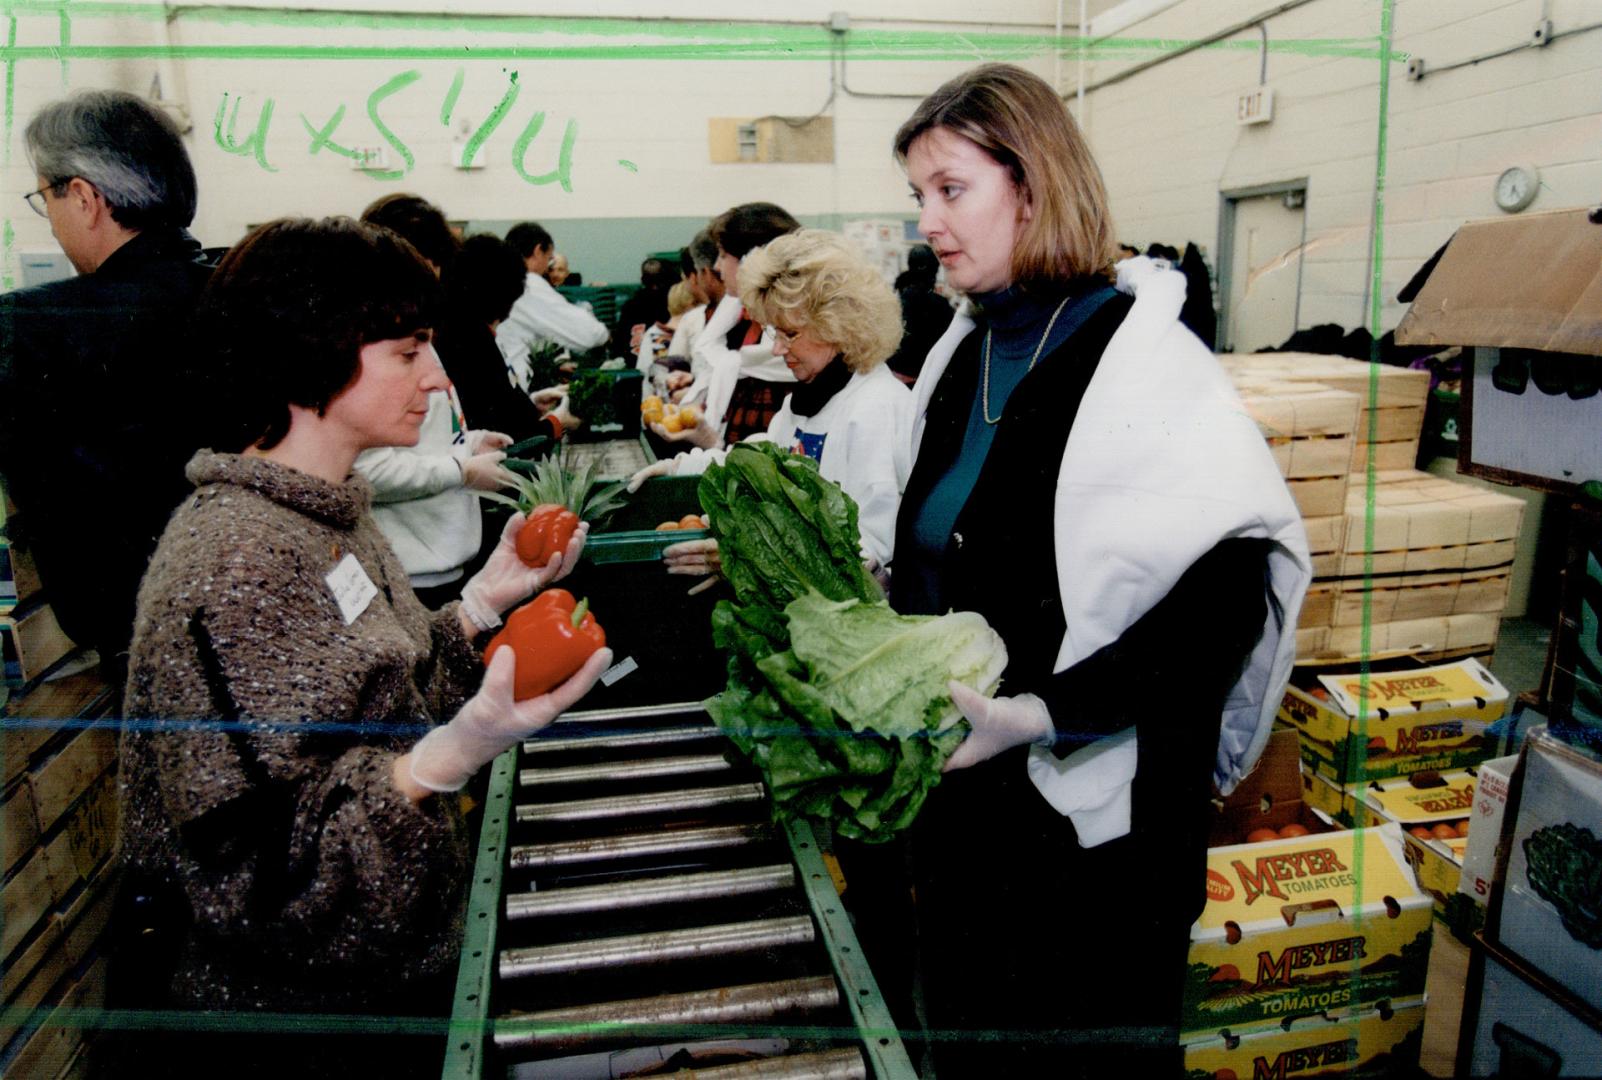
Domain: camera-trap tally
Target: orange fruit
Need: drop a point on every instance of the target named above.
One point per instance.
(1293, 829)
(1257, 836)
(1444, 831)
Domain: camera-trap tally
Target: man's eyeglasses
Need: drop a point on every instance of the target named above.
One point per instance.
(36, 199)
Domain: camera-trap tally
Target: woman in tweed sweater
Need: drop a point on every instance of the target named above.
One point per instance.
(277, 799)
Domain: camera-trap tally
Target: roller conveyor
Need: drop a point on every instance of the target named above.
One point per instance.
(624, 906)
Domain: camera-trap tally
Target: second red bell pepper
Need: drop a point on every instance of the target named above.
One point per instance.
(545, 534)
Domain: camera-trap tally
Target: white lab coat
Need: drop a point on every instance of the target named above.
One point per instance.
(1163, 463)
(867, 450)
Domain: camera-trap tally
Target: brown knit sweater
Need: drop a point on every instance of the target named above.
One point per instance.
(312, 883)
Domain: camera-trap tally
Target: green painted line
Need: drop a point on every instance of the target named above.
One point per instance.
(448, 107)
(11, 97)
(254, 145)
(323, 138)
(394, 86)
(7, 281)
(491, 122)
(737, 46)
(65, 22)
(629, 165)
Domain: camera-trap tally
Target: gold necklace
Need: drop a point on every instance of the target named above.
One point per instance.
(1032, 359)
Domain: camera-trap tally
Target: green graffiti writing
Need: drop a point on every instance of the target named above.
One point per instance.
(449, 105)
(323, 138)
(394, 86)
(563, 173)
(255, 144)
(493, 121)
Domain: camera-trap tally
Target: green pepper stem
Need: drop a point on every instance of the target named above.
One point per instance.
(579, 611)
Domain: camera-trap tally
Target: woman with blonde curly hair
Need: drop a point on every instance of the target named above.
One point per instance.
(835, 321)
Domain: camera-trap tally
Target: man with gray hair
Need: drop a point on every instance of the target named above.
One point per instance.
(96, 421)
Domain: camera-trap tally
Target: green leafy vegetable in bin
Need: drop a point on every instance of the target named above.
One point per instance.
(1565, 870)
(544, 363)
(838, 700)
(589, 396)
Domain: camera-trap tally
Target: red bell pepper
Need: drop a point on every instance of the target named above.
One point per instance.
(551, 638)
(545, 534)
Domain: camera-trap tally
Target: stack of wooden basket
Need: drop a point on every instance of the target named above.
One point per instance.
(1423, 563)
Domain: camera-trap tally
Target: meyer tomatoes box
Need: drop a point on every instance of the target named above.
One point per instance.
(1382, 1041)
(1416, 719)
(1549, 909)
(1301, 926)
(1482, 852)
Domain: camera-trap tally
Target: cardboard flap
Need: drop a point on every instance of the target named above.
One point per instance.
(1448, 685)
(1528, 282)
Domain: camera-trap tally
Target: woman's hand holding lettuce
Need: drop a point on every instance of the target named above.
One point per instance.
(843, 704)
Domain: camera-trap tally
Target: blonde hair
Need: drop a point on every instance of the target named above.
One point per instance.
(817, 280)
(680, 299)
(1016, 118)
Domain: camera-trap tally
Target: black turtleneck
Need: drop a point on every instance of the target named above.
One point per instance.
(809, 398)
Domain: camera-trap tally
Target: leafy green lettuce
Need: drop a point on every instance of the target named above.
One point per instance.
(840, 702)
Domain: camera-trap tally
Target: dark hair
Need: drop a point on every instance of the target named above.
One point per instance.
(750, 225)
(922, 262)
(1017, 118)
(127, 148)
(420, 222)
(287, 311)
(527, 237)
(686, 262)
(485, 280)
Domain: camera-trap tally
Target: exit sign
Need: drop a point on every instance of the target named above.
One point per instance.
(1255, 106)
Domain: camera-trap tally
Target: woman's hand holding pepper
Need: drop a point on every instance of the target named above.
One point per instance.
(506, 580)
(491, 721)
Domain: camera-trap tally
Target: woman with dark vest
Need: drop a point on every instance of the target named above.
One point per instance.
(1085, 478)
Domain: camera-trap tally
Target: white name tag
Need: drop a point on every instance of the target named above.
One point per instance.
(353, 590)
(625, 666)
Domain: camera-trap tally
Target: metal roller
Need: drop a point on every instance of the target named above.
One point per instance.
(645, 768)
(637, 712)
(601, 741)
(669, 841)
(586, 1024)
(843, 1064)
(650, 891)
(662, 802)
(695, 943)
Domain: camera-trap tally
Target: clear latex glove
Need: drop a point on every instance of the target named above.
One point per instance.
(679, 380)
(552, 401)
(702, 434)
(483, 472)
(491, 721)
(998, 724)
(480, 441)
(506, 580)
(697, 558)
(665, 467)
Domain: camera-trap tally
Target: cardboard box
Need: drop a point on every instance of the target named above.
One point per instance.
(1376, 1042)
(1482, 854)
(1326, 543)
(1517, 1024)
(1423, 718)
(1308, 925)
(1527, 282)
(32, 642)
(1423, 802)
(1549, 911)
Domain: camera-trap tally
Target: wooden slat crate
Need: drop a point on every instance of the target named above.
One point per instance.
(1326, 542)
(1404, 597)
(1451, 635)
(52, 1047)
(1425, 524)
(1318, 606)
